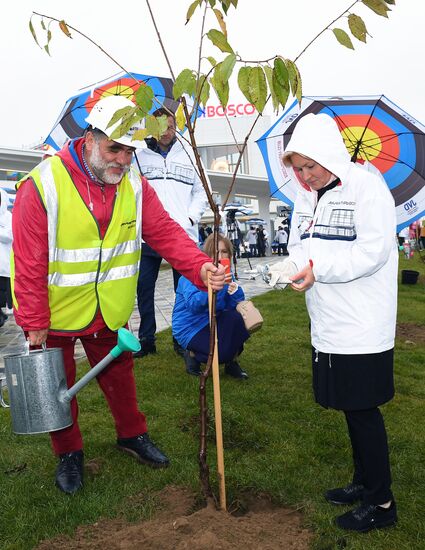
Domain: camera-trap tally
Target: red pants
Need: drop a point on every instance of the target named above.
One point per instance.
(116, 381)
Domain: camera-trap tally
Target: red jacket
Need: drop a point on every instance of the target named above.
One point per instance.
(30, 242)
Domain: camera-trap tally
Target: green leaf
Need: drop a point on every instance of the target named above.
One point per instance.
(144, 98)
(299, 92)
(180, 118)
(191, 10)
(124, 113)
(243, 82)
(378, 6)
(125, 126)
(225, 4)
(46, 47)
(357, 27)
(185, 83)
(392, 2)
(64, 28)
(140, 135)
(292, 76)
(258, 88)
(221, 22)
(269, 75)
(221, 88)
(281, 81)
(281, 71)
(212, 3)
(43, 25)
(162, 124)
(212, 61)
(343, 38)
(152, 126)
(226, 67)
(204, 90)
(33, 33)
(219, 40)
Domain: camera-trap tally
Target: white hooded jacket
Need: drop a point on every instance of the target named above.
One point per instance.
(349, 236)
(177, 185)
(5, 235)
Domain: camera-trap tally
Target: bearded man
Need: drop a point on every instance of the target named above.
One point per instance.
(77, 223)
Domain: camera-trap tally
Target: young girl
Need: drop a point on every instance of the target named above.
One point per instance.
(191, 319)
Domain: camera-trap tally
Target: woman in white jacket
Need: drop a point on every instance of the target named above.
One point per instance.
(342, 242)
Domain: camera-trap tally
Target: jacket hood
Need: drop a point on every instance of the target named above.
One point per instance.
(318, 137)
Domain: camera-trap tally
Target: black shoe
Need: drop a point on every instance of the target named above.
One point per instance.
(147, 348)
(177, 348)
(69, 473)
(142, 448)
(233, 369)
(193, 366)
(367, 517)
(345, 495)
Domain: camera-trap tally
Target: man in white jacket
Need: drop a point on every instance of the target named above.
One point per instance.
(342, 243)
(170, 168)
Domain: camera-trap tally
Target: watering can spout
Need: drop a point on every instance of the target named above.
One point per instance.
(126, 342)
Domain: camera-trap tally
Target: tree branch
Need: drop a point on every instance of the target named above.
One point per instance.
(325, 29)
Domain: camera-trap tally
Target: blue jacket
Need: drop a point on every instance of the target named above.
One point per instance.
(190, 313)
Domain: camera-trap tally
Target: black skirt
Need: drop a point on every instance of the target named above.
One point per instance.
(353, 382)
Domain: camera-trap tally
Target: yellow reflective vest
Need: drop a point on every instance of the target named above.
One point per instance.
(87, 272)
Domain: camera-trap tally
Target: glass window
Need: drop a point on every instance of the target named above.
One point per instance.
(223, 158)
(244, 200)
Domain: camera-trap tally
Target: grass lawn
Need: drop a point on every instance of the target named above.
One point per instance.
(277, 440)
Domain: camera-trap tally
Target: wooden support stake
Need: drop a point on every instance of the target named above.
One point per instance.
(217, 413)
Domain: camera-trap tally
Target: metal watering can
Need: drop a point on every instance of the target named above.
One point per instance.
(38, 394)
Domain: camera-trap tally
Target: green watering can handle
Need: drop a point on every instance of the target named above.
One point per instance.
(126, 342)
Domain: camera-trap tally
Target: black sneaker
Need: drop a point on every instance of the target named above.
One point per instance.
(177, 348)
(146, 349)
(233, 369)
(193, 366)
(69, 473)
(367, 517)
(142, 449)
(345, 495)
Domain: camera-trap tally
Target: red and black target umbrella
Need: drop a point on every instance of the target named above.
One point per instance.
(374, 129)
(71, 123)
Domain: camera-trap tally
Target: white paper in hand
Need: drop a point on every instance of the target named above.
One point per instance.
(280, 274)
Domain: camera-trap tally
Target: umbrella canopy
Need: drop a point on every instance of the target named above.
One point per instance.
(71, 122)
(374, 130)
(256, 221)
(238, 208)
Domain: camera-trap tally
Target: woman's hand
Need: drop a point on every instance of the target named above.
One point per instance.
(232, 288)
(305, 277)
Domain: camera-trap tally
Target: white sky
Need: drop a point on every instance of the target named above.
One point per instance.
(35, 86)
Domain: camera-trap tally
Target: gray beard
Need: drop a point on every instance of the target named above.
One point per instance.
(99, 167)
